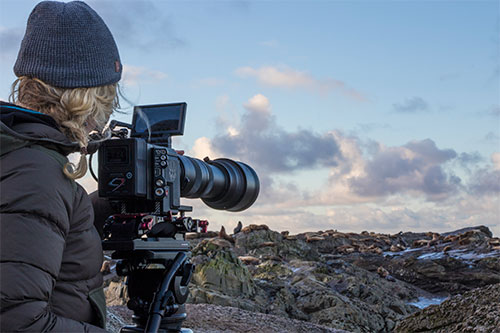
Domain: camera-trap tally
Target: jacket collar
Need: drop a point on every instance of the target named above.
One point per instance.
(34, 126)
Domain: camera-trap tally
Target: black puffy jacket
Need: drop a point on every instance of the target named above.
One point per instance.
(50, 251)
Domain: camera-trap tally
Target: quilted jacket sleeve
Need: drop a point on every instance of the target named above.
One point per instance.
(36, 207)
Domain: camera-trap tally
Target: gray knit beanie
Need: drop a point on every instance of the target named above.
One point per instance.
(68, 45)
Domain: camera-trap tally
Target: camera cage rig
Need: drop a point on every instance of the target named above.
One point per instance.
(152, 257)
(144, 178)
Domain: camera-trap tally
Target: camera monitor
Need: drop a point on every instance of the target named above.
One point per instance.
(160, 120)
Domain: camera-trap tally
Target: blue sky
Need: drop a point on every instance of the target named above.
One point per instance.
(359, 115)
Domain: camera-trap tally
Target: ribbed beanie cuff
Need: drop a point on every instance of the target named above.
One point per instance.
(68, 45)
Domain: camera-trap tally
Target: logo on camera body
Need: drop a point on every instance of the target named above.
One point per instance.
(117, 183)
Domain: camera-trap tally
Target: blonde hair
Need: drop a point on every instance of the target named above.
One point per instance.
(73, 109)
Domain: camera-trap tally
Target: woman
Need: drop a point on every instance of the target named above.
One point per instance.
(67, 68)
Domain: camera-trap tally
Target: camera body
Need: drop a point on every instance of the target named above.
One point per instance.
(142, 174)
(143, 171)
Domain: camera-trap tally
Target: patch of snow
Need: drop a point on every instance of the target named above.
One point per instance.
(424, 302)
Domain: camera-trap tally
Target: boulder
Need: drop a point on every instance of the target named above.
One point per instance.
(223, 271)
(474, 311)
(485, 230)
(257, 241)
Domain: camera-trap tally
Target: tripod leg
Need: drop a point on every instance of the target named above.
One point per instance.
(160, 300)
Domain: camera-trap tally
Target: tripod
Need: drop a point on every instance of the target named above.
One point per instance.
(158, 273)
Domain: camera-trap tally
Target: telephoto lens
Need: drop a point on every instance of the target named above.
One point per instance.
(221, 184)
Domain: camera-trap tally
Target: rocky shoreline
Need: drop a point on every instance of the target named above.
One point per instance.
(366, 282)
(477, 310)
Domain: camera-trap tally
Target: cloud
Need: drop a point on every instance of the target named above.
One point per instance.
(465, 211)
(138, 23)
(494, 111)
(202, 148)
(466, 159)
(359, 171)
(416, 166)
(258, 103)
(272, 76)
(495, 159)
(285, 77)
(133, 75)
(337, 189)
(486, 180)
(412, 105)
(260, 140)
(492, 137)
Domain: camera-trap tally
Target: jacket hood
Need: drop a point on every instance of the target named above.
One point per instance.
(33, 126)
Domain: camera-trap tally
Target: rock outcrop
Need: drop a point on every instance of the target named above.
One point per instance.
(449, 264)
(221, 278)
(356, 282)
(290, 278)
(474, 311)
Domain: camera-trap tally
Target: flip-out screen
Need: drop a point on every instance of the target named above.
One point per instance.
(159, 120)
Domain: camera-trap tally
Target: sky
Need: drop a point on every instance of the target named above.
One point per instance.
(356, 115)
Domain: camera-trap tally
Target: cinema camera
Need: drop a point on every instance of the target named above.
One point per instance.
(143, 179)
